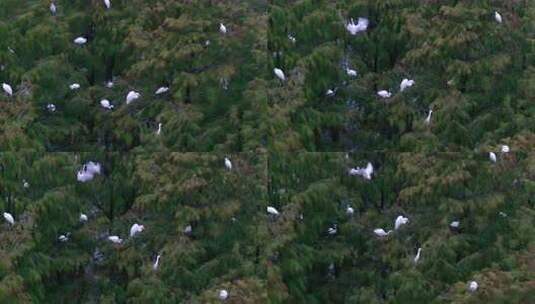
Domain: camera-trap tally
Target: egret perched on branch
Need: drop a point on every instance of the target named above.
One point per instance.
(88, 172)
(279, 73)
(106, 104)
(332, 230)
(25, 184)
(74, 86)
(187, 230)
(223, 295)
(428, 118)
(222, 28)
(9, 218)
(52, 8)
(115, 239)
(83, 218)
(228, 163)
(51, 107)
(417, 257)
(93, 168)
(292, 38)
(64, 237)
(472, 286)
(131, 96)
(405, 83)
(366, 173)
(384, 94)
(159, 129)
(80, 40)
(455, 224)
(7, 88)
(400, 221)
(156, 263)
(271, 210)
(350, 210)
(351, 73)
(361, 26)
(135, 229)
(380, 232)
(107, 3)
(109, 84)
(330, 92)
(161, 90)
(505, 149)
(492, 157)
(498, 17)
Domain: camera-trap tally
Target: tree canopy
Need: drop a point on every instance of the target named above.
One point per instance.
(269, 143)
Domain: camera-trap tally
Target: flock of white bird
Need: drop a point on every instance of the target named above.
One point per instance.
(367, 173)
(87, 173)
(90, 169)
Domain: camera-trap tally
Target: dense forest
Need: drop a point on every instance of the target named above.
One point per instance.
(267, 151)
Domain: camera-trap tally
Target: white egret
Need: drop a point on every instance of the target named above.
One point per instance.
(505, 149)
(472, 286)
(292, 38)
(74, 86)
(115, 239)
(502, 214)
(80, 40)
(350, 210)
(272, 210)
(498, 17)
(351, 73)
(228, 163)
(106, 104)
(279, 73)
(135, 229)
(417, 257)
(405, 83)
(25, 184)
(384, 94)
(131, 96)
(400, 221)
(7, 88)
(329, 93)
(51, 107)
(428, 118)
(492, 157)
(109, 84)
(223, 295)
(156, 263)
(380, 232)
(222, 28)
(88, 171)
(366, 173)
(52, 8)
(107, 3)
(161, 90)
(455, 224)
(332, 230)
(83, 218)
(9, 218)
(361, 26)
(64, 237)
(159, 129)
(93, 168)
(188, 230)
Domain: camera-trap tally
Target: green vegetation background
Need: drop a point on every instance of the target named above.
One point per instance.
(476, 74)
